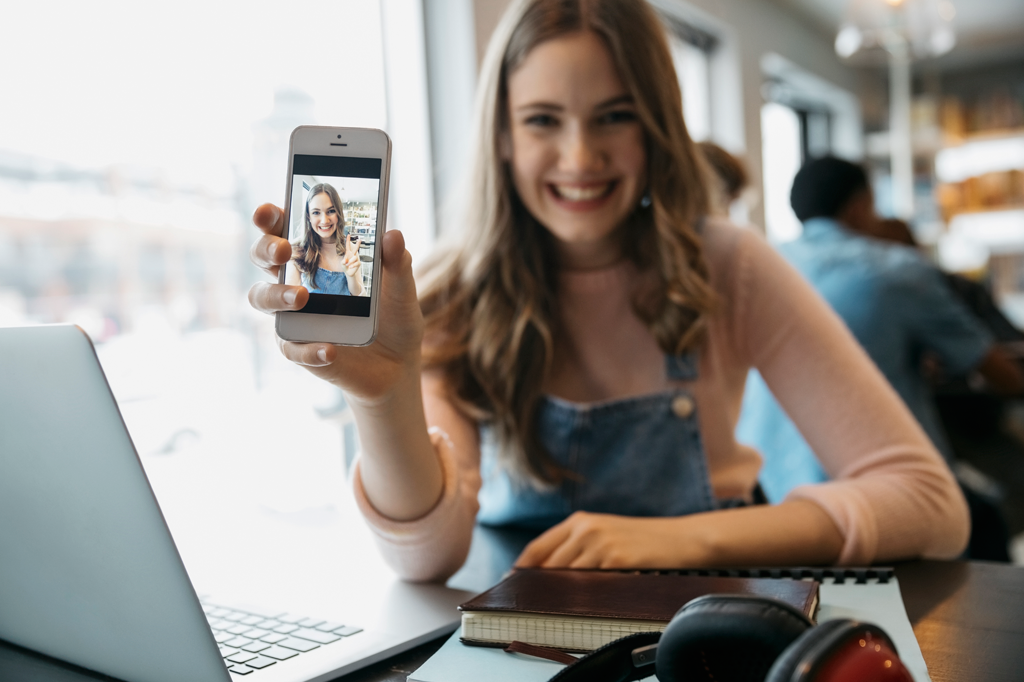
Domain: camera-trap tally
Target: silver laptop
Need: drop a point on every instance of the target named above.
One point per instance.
(90, 574)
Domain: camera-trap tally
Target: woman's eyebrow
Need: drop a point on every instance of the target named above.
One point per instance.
(540, 106)
(551, 106)
(615, 101)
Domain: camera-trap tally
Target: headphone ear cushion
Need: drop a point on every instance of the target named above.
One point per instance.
(727, 637)
(805, 657)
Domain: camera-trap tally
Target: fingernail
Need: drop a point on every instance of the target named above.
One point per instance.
(322, 355)
(289, 296)
(275, 213)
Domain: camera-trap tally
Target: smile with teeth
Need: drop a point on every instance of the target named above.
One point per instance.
(577, 193)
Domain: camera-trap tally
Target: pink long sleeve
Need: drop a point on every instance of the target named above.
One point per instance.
(891, 495)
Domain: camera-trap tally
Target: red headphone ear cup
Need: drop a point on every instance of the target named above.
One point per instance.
(727, 638)
(840, 651)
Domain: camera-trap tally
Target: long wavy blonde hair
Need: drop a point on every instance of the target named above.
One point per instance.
(489, 293)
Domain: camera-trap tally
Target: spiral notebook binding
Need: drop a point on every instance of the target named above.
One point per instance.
(838, 576)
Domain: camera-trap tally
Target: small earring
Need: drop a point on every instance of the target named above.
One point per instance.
(645, 200)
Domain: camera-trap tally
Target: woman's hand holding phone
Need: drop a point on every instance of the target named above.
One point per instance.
(371, 373)
(367, 346)
(399, 468)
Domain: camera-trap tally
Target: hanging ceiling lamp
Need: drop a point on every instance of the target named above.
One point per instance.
(896, 32)
(873, 28)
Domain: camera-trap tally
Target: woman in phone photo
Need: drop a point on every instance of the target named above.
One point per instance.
(572, 358)
(326, 259)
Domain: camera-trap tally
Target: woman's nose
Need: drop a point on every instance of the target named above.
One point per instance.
(579, 152)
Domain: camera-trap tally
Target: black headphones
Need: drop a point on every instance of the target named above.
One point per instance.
(735, 638)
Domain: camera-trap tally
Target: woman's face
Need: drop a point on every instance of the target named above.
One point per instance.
(323, 215)
(577, 147)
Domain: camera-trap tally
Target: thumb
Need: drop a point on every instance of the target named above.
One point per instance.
(397, 262)
(393, 248)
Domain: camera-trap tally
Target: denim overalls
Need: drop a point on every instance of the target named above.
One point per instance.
(330, 282)
(634, 457)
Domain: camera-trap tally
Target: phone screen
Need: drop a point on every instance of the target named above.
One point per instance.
(332, 228)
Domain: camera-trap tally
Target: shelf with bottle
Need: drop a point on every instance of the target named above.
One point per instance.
(979, 167)
(992, 191)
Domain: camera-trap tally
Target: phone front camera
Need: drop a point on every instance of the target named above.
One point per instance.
(339, 137)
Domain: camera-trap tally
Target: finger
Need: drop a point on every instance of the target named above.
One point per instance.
(269, 252)
(586, 560)
(272, 298)
(565, 554)
(308, 354)
(541, 548)
(270, 219)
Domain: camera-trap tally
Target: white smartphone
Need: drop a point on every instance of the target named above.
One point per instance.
(336, 207)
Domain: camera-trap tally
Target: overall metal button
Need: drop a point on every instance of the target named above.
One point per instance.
(682, 406)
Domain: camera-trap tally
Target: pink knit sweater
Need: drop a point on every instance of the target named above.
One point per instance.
(891, 495)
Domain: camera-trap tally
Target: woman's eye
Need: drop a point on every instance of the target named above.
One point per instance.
(541, 120)
(618, 116)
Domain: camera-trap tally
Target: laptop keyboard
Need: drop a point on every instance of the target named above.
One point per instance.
(251, 640)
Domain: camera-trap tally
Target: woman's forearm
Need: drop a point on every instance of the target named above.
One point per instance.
(400, 470)
(796, 532)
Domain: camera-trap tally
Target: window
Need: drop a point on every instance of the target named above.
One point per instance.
(691, 51)
(781, 142)
(692, 69)
(135, 141)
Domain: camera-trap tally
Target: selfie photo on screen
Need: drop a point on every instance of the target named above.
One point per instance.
(332, 231)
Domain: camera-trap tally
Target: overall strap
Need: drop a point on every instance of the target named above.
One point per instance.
(682, 367)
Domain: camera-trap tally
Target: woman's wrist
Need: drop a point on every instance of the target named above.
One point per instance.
(355, 281)
(403, 390)
(698, 544)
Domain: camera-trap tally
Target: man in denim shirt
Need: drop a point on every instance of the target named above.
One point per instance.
(895, 302)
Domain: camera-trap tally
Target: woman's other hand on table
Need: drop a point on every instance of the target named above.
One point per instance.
(588, 540)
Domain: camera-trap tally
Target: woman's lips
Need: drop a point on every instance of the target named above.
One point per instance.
(578, 197)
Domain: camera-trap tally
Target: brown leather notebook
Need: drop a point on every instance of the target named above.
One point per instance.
(581, 610)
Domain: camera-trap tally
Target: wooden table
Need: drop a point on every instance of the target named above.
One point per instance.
(968, 618)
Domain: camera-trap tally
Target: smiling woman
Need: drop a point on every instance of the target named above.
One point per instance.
(581, 340)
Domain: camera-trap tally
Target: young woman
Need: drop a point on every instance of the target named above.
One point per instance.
(326, 260)
(580, 345)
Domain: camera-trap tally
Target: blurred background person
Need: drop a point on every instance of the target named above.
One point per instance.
(728, 180)
(900, 308)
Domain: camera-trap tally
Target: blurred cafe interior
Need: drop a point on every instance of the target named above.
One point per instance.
(131, 161)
